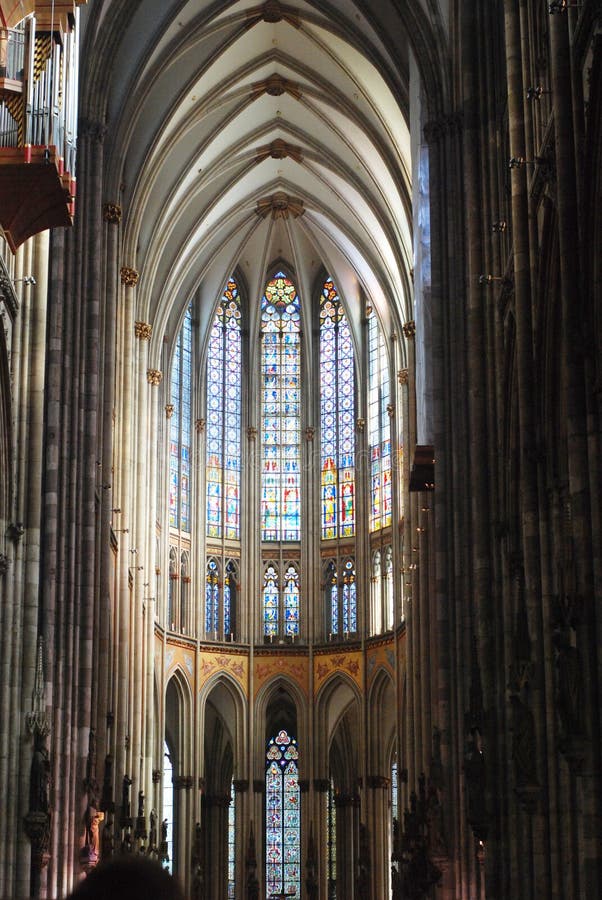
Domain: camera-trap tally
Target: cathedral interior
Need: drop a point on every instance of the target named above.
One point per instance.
(300, 446)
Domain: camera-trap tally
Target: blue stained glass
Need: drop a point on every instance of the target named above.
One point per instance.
(342, 596)
(281, 411)
(232, 845)
(212, 597)
(180, 428)
(379, 428)
(270, 601)
(333, 592)
(224, 377)
(337, 417)
(283, 820)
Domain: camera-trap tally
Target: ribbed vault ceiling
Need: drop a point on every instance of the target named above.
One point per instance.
(242, 134)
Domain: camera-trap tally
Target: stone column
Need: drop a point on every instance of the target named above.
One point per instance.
(581, 469)
(347, 808)
(537, 877)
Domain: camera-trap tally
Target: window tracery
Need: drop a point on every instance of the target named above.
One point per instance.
(337, 417)
(281, 411)
(283, 817)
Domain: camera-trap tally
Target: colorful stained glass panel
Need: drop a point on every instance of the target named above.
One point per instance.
(337, 417)
(281, 411)
(283, 818)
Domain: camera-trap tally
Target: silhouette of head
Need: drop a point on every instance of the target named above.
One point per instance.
(128, 878)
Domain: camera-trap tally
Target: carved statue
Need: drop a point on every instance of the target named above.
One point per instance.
(106, 801)
(152, 834)
(140, 804)
(92, 820)
(39, 783)
(126, 820)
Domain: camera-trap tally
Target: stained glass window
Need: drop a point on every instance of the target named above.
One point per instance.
(220, 597)
(229, 597)
(180, 428)
(271, 604)
(172, 588)
(212, 597)
(331, 832)
(281, 411)
(232, 845)
(281, 602)
(388, 580)
(168, 804)
(291, 601)
(283, 817)
(224, 377)
(337, 417)
(379, 428)
(342, 599)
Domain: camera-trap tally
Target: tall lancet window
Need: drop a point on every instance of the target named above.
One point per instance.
(337, 417)
(281, 411)
(180, 428)
(283, 819)
(224, 377)
(379, 427)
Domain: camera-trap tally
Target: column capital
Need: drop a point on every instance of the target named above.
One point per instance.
(143, 330)
(169, 408)
(183, 782)
(403, 376)
(129, 276)
(111, 213)
(199, 425)
(154, 376)
(409, 329)
(240, 785)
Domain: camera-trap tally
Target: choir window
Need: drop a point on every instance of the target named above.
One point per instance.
(283, 817)
(224, 378)
(281, 411)
(337, 417)
(180, 428)
(379, 427)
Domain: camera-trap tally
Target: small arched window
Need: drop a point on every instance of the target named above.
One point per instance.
(281, 602)
(185, 624)
(389, 593)
(212, 598)
(343, 599)
(172, 588)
